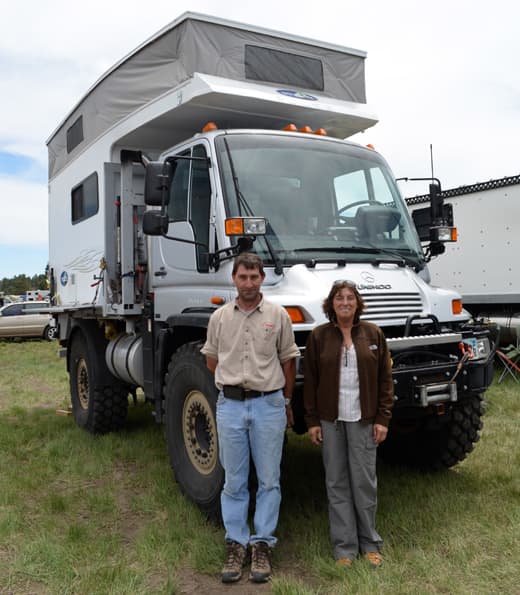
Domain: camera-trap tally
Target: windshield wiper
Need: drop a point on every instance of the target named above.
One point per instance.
(343, 249)
(397, 257)
(409, 260)
(242, 202)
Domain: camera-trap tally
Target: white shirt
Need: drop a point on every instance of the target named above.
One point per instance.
(349, 405)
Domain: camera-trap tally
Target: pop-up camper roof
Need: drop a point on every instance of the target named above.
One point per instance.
(300, 70)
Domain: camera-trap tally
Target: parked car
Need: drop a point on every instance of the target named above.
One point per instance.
(24, 319)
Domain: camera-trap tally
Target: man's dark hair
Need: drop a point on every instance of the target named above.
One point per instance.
(249, 261)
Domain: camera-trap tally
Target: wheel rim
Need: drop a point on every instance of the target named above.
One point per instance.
(200, 432)
(82, 383)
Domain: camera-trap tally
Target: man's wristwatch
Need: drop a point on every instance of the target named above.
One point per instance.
(287, 402)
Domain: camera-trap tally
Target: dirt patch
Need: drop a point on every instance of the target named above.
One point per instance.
(202, 584)
(192, 582)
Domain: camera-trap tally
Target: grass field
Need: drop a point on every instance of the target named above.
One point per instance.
(102, 515)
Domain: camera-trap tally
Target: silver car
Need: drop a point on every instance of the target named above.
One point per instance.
(22, 319)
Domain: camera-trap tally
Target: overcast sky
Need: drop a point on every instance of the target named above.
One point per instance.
(443, 73)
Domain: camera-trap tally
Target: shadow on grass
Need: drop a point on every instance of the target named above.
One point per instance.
(139, 417)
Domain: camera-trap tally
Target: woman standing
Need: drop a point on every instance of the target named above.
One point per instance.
(348, 396)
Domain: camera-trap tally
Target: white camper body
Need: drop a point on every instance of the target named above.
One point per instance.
(140, 193)
(187, 108)
(172, 103)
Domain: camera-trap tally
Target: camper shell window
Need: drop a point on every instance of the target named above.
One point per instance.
(85, 199)
(274, 66)
(75, 134)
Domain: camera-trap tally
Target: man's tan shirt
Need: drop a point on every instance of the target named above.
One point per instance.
(250, 346)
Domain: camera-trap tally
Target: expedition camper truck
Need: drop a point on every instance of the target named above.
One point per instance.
(482, 265)
(148, 206)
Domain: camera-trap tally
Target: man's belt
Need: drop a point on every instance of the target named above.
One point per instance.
(238, 393)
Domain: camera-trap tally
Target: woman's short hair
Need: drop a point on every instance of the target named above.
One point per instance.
(337, 286)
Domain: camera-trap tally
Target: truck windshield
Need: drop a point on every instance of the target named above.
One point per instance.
(322, 199)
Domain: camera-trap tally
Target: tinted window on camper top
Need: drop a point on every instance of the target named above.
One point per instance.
(84, 199)
(75, 134)
(273, 66)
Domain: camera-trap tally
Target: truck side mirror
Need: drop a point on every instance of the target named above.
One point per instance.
(155, 223)
(157, 179)
(436, 201)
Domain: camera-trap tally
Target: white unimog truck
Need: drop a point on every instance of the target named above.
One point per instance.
(213, 138)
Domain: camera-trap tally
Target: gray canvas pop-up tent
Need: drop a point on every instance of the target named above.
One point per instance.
(301, 70)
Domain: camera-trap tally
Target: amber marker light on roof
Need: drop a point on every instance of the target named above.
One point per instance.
(456, 306)
(307, 129)
(209, 127)
(321, 132)
(217, 300)
(295, 314)
(371, 146)
(290, 128)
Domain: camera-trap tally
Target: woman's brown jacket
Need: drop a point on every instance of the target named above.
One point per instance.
(322, 370)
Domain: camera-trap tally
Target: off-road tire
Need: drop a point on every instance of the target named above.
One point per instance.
(191, 430)
(99, 401)
(437, 442)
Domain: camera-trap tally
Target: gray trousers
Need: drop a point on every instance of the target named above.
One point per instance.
(349, 457)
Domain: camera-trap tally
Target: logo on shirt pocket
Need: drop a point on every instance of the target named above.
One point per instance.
(267, 342)
(268, 330)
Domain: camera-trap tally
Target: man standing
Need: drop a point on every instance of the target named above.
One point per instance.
(250, 347)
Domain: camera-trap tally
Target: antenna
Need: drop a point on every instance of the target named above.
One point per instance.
(431, 159)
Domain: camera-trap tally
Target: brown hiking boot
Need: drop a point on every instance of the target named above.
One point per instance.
(235, 558)
(260, 562)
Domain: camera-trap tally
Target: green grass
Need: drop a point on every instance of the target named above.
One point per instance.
(81, 514)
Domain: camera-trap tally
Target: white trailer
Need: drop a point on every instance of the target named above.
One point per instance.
(482, 265)
(212, 138)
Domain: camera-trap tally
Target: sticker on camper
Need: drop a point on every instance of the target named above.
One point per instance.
(64, 278)
(297, 94)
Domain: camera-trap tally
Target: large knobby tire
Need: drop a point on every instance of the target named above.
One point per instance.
(99, 401)
(191, 429)
(438, 442)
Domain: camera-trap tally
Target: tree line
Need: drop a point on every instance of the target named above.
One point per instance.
(20, 284)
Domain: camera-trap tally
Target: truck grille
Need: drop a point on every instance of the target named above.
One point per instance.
(391, 306)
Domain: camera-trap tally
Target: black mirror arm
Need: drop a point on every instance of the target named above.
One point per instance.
(244, 244)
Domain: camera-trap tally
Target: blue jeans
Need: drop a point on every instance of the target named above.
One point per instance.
(253, 428)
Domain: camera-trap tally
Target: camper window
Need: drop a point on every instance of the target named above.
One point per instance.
(274, 66)
(84, 199)
(75, 134)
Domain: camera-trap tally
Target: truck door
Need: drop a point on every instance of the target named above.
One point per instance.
(189, 219)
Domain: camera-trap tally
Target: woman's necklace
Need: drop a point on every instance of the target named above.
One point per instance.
(347, 337)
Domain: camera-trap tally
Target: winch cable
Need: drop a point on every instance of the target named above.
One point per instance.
(467, 353)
